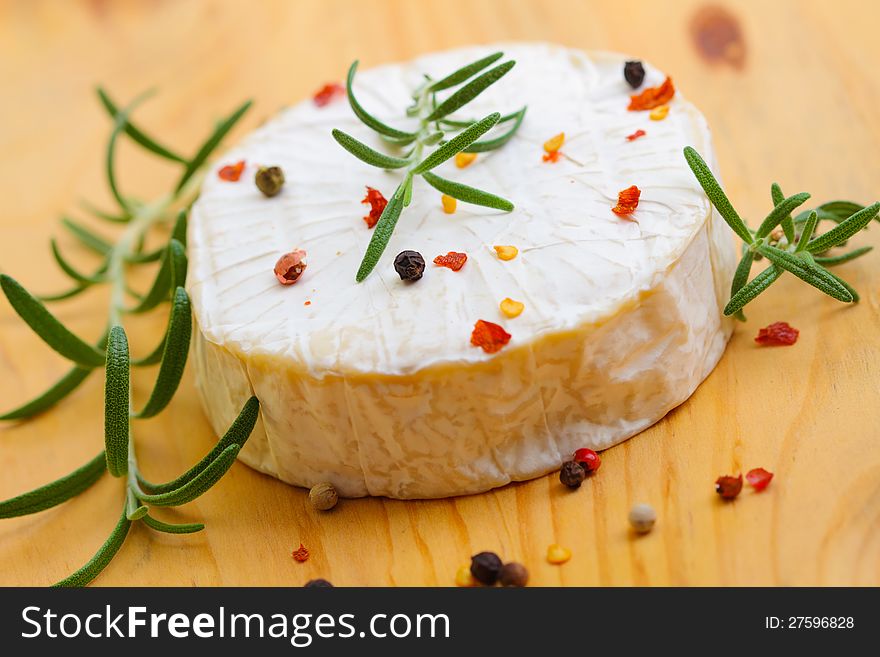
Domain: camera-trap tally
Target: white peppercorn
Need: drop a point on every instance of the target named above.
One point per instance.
(323, 496)
(642, 518)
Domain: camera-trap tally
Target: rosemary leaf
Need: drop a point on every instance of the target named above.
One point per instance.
(212, 142)
(470, 91)
(132, 131)
(174, 355)
(67, 268)
(172, 268)
(807, 233)
(178, 263)
(142, 258)
(382, 232)
(499, 141)
(458, 123)
(60, 296)
(169, 528)
(844, 230)
(63, 387)
(780, 212)
(787, 223)
(366, 154)
(835, 211)
(458, 143)
(855, 295)
(198, 485)
(101, 214)
(467, 194)
(237, 434)
(740, 278)
(44, 324)
(465, 72)
(399, 136)
(89, 239)
(120, 123)
(55, 493)
(716, 195)
(178, 232)
(813, 274)
(407, 191)
(102, 557)
(117, 387)
(830, 261)
(752, 289)
(134, 510)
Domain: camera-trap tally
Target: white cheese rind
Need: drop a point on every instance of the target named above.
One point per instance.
(375, 387)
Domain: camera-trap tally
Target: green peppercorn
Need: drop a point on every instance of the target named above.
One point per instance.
(642, 518)
(513, 574)
(572, 474)
(318, 584)
(485, 567)
(409, 265)
(269, 180)
(634, 74)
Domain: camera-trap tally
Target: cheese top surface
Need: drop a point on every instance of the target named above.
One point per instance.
(578, 264)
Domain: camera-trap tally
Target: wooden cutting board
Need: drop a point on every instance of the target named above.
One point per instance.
(792, 92)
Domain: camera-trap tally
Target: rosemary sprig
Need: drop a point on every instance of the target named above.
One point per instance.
(433, 118)
(801, 254)
(112, 351)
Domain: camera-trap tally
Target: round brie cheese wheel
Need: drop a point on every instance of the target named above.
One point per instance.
(375, 386)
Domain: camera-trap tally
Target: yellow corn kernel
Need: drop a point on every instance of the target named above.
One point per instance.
(463, 577)
(554, 143)
(463, 160)
(556, 554)
(659, 113)
(512, 308)
(506, 252)
(449, 204)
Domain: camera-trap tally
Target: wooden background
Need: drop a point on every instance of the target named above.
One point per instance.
(794, 98)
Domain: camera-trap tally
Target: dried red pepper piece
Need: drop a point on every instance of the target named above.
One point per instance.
(328, 93)
(290, 267)
(301, 554)
(636, 135)
(552, 156)
(588, 459)
(453, 260)
(778, 334)
(728, 487)
(231, 172)
(759, 478)
(489, 336)
(627, 201)
(377, 204)
(652, 97)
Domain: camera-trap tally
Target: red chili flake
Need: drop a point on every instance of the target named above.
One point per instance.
(636, 135)
(759, 478)
(307, 303)
(453, 260)
(627, 201)
(552, 156)
(729, 487)
(290, 267)
(489, 336)
(377, 204)
(777, 334)
(588, 459)
(301, 554)
(328, 93)
(652, 97)
(231, 172)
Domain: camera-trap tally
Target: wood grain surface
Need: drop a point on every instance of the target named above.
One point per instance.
(792, 92)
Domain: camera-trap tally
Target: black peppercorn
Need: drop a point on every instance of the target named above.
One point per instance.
(269, 180)
(572, 474)
(513, 574)
(485, 567)
(634, 73)
(318, 584)
(410, 265)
